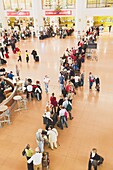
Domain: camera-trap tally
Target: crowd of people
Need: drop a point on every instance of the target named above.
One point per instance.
(53, 31)
(57, 112)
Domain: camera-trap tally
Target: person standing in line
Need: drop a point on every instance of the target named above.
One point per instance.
(2, 51)
(53, 102)
(61, 81)
(28, 152)
(19, 56)
(53, 134)
(27, 56)
(37, 159)
(82, 78)
(46, 83)
(6, 49)
(68, 106)
(17, 71)
(62, 117)
(40, 140)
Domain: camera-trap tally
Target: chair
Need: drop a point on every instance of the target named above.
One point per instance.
(5, 118)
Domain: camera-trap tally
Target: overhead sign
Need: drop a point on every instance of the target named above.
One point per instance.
(19, 13)
(55, 12)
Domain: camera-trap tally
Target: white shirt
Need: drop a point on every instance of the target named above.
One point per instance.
(36, 158)
(65, 103)
(52, 135)
(29, 88)
(47, 114)
(62, 112)
(77, 79)
(46, 80)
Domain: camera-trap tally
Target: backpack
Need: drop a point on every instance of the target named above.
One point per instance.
(69, 107)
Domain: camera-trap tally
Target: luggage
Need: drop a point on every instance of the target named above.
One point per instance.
(17, 49)
(37, 58)
(7, 55)
(14, 51)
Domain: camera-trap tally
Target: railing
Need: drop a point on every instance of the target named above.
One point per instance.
(9, 100)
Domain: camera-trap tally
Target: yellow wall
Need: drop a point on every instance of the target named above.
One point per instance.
(105, 20)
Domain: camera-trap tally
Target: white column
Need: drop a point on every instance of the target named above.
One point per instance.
(37, 14)
(3, 19)
(81, 19)
(102, 3)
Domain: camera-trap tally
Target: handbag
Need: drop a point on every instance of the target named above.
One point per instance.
(66, 114)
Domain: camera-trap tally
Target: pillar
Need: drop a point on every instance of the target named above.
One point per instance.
(81, 19)
(37, 15)
(3, 19)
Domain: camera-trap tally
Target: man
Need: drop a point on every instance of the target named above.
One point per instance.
(95, 159)
(62, 117)
(40, 140)
(29, 90)
(46, 83)
(37, 159)
(61, 81)
(82, 78)
(68, 106)
(77, 79)
(2, 51)
(53, 134)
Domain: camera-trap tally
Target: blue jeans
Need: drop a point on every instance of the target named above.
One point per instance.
(46, 87)
(90, 85)
(63, 121)
(62, 87)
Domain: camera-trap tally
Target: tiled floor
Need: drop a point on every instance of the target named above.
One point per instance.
(92, 125)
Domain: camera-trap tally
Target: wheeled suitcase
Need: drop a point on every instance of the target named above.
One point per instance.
(37, 58)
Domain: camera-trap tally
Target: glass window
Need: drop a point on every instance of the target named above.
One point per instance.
(21, 4)
(14, 4)
(70, 3)
(99, 3)
(28, 4)
(91, 3)
(52, 4)
(7, 4)
(46, 4)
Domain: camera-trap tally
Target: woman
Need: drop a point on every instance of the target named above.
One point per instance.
(28, 152)
(47, 117)
(52, 135)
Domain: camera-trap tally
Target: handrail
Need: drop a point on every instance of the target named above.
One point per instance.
(7, 101)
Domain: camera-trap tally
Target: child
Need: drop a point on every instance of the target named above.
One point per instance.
(19, 56)
(45, 161)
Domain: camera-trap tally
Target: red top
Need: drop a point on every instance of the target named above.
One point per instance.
(53, 101)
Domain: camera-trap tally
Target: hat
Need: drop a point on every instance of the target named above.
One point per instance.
(40, 130)
(37, 149)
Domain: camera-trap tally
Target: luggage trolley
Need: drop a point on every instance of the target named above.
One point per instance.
(89, 51)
